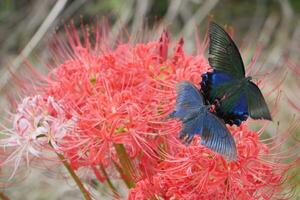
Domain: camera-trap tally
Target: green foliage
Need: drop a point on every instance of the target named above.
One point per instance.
(295, 5)
(6, 6)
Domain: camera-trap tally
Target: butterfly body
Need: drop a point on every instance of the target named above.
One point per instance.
(212, 82)
(236, 97)
(198, 120)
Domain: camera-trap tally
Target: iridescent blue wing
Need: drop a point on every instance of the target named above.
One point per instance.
(224, 55)
(211, 81)
(258, 108)
(188, 99)
(214, 134)
(222, 84)
(233, 108)
(198, 120)
(236, 99)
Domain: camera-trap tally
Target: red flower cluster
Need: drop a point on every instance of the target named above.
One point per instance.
(114, 103)
(197, 173)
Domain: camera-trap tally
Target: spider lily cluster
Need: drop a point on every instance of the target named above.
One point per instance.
(103, 109)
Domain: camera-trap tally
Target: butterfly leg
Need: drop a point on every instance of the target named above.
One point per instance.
(182, 135)
(217, 102)
(204, 80)
(240, 120)
(171, 115)
(236, 122)
(187, 138)
(214, 106)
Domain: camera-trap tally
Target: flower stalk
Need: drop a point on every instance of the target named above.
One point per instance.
(126, 168)
(110, 184)
(3, 196)
(77, 180)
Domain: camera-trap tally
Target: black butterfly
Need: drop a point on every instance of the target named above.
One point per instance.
(197, 119)
(236, 96)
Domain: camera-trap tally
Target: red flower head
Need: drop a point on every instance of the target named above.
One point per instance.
(199, 173)
(117, 94)
(114, 101)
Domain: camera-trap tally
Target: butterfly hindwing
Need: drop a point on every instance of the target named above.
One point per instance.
(237, 107)
(224, 54)
(192, 127)
(216, 136)
(258, 108)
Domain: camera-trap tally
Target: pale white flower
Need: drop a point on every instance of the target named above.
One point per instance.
(38, 125)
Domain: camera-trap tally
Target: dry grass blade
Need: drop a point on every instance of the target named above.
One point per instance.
(6, 74)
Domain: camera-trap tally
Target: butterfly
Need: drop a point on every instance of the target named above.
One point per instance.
(235, 96)
(197, 119)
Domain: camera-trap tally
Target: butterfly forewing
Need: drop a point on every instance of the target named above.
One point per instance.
(188, 95)
(258, 108)
(197, 119)
(187, 101)
(224, 55)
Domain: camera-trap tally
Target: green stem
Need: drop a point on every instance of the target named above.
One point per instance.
(124, 177)
(3, 196)
(84, 192)
(110, 184)
(126, 165)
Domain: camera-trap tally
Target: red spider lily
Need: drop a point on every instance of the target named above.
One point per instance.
(200, 174)
(117, 95)
(114, 99)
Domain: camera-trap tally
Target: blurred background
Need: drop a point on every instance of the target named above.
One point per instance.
(267, 28)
